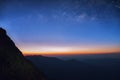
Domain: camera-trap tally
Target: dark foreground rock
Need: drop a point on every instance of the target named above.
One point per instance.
(13, 65)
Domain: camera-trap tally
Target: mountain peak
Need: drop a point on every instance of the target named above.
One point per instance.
(2, 31)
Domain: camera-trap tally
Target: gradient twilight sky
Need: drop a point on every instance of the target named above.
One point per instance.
(62, 25)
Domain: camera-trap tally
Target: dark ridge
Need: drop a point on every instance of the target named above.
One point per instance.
(75, 69)
(13, 65)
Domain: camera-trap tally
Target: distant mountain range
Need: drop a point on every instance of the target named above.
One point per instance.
(72, 69)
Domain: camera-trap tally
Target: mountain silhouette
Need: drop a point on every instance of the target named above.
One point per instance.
(74, 69)
(13, 65)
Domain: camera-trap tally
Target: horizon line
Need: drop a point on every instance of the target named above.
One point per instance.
(66, 53)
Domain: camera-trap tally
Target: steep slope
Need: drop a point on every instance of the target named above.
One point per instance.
(13, 65)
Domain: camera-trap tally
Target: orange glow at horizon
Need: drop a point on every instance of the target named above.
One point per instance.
(62, 50)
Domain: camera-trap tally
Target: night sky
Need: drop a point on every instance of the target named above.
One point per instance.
(62, 25)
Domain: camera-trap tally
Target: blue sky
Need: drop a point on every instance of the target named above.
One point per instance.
(62, 22)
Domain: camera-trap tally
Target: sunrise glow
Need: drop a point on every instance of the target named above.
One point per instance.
(56, 50)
